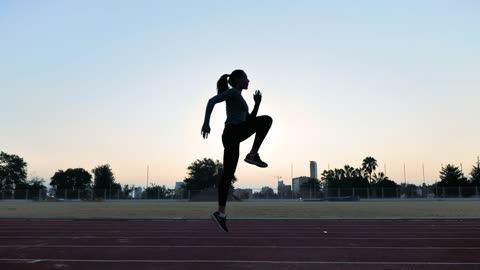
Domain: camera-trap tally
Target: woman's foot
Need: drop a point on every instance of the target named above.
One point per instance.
(220, 220)
(255, 160)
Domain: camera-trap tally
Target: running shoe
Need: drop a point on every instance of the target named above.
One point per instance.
(255, 160)
(220, 221)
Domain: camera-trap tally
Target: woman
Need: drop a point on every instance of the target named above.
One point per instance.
(239, 126)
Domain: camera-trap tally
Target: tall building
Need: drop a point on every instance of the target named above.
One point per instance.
(313, 169)
(297, 182)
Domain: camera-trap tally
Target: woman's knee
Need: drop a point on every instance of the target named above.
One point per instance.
(267, 120)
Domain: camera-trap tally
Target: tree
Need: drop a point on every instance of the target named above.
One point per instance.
(13, 171)
(341, 182)
(203, 174)
(379, 177)
(37, 188)
(349, 171)
(33, 188)
(126, 192)
(311, 188)
(155, 191)
(369, 165)
(475, 174)
(104, 182)
(71, 183)
(384, 187)
(451, 178)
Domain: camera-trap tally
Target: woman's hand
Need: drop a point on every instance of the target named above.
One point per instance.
(205, 130)
(257, 97)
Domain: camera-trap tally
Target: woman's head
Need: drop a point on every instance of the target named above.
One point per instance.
(238, 79)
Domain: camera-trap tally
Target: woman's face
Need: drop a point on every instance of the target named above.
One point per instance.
(243, 82)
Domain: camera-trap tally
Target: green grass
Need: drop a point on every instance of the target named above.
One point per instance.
(238, 210)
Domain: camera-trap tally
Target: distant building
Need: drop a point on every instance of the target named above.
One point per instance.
(284, 191)
(280, 185)
(179, 185)
(297, 182)
(243, 193)
(179, 189)
(313, 169)
(137, 192)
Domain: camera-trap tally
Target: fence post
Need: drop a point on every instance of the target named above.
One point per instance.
(459, 191)
(26, 195)
(104, 194)
(383, 193)
(443, 192)
(353, 191)
(368, 193)
(476, 191)
(65, 194)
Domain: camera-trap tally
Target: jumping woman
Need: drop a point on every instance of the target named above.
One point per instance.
(239, 126)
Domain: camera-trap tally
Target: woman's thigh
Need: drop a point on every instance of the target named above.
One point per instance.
(235, 134)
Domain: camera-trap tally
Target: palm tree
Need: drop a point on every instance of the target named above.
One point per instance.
(349, 171)
(339, 174)
(369, 165)
(380, 177)
(358, 173)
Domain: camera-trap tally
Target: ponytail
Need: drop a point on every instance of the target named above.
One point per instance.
(225, 80)
(222, 84)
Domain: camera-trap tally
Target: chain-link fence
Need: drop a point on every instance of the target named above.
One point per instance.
(245, 194)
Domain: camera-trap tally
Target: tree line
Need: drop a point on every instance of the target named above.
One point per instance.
(205, 174)
(74, 183)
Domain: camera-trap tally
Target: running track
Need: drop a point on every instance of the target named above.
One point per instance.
(251, 244)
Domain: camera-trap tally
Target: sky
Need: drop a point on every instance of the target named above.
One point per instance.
(126, 83)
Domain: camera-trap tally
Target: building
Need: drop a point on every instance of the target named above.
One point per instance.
(297, 182)
(284, 191)
(280, 186)
(137, 192)
(243, 194)
(313, 169)
(179, 185)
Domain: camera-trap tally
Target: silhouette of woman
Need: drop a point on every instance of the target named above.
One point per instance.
(239, 126)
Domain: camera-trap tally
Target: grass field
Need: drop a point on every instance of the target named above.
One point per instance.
(239, 210)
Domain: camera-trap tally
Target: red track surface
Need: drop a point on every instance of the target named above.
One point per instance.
(251, 244)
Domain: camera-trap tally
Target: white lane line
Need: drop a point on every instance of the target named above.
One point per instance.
(240, 261)
(313, 231)
(248, 247)
(266, 226)
(239, 237)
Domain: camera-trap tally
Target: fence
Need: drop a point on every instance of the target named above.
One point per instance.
(245, 194)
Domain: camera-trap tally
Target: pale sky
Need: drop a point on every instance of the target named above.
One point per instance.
(85, 83)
